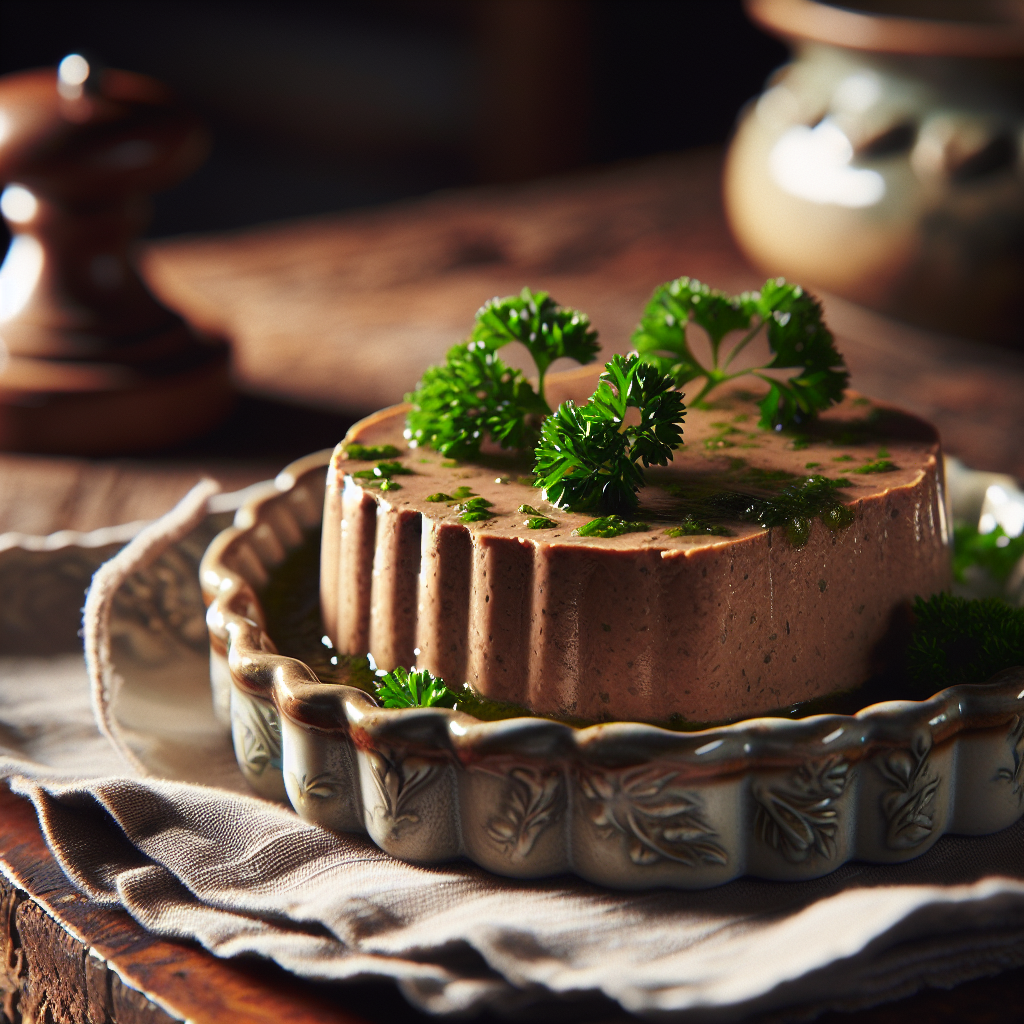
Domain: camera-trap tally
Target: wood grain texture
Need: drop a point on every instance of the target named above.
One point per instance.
(345, 312)
(47, 971)
(41, 494)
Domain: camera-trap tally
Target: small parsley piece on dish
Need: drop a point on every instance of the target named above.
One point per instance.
(367, 452)
(537, 520)
(797, 504)
(785, 313)
(474, 510)
(381, 474)
(474, 395)
(877, 466)
(609, 526)
(691, 526)
(402, 688)
(587, 457)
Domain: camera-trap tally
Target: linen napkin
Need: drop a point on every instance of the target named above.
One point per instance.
(122, 806)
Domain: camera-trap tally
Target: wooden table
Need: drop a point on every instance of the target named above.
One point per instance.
(331, 319)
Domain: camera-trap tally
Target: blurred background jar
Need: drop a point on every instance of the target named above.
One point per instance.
(885, 162)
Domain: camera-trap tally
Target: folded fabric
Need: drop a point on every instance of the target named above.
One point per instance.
(241, 875)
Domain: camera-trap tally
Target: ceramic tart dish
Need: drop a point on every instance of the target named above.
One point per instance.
(622, 804)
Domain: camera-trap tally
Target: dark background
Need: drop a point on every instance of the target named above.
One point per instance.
(319, 106)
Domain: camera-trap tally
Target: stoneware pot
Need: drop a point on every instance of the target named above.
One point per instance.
(622, 804)
(884, 162)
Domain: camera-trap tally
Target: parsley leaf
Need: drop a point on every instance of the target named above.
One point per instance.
(474, 394)
(402, 688)
(789, 317)
(587, 456)
(546, 329)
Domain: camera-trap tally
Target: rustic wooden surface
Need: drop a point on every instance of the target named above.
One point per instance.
(59, 975)
(331, 319)
(346, 312)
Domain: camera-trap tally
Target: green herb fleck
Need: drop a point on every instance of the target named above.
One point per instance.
(366, 452)
(461, 494)
(797, 505)
(811, 465)
(587, 457)
(381, 474)
(472, 504)
(693, 527)
(842, 458)
(796, 334)
(956, 640)
(877, 466)
(609, 526)
(537, 520)
(402, 688)
(474, 510)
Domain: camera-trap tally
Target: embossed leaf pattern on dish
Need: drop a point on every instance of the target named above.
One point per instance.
(1015, 775)
(260, 737)
(799, 816)
(532, 801)
(659, 819)
(398, 783)
(319, 787)
(909, 804)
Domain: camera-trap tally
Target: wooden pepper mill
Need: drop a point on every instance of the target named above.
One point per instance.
(90, 362)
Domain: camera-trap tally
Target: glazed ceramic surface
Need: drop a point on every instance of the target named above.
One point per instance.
(621, 804)
(884, 162)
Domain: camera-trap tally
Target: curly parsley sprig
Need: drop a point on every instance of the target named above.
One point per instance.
(405, 688)
(789, 317)
(587, 457)
(957, 640)
(548, 331)
(474, 394)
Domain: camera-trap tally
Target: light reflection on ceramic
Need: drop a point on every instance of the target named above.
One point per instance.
(886, 163)
(622, 804)
(814, 164)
